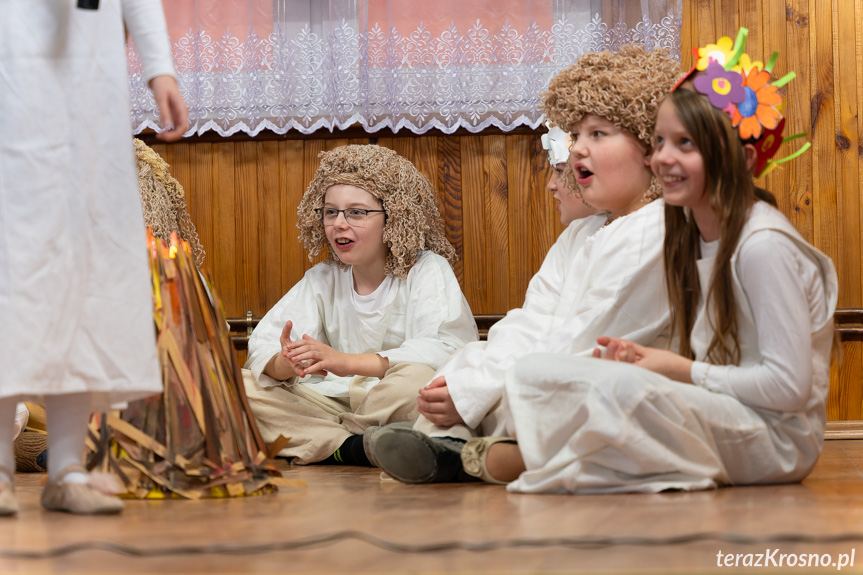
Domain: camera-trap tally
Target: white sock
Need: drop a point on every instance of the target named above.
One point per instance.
(67, 417)
(7, 434)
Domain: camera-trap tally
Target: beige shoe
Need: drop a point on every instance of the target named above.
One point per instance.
(79, 498)
(8, 502)
(473, 456)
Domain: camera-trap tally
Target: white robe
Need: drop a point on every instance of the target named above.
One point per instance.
(424, 319)
(74, 284)
(594, 281)
(586, 425)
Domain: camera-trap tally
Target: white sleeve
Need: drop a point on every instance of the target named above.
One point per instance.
(439, 320)
(475, 375)
(780, 284)
(145, 20)
(303, 305)
(524, 325)
(542, 298)
(543, 291)
(624, 296)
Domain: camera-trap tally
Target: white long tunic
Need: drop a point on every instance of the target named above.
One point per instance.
(594, 281)
(424, 319)
(587, 425)
(74, 285)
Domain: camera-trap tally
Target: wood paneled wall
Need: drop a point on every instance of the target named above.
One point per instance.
(243, 193)
(243, 198)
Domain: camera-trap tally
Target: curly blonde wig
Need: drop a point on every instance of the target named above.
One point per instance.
(413, 222)
(164, 201)
(624, 87)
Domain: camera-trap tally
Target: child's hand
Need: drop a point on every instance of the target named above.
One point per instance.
(317, 357)
(659, 361)
(617, 349)
(436, 405)
(284, 362)
(172, 108)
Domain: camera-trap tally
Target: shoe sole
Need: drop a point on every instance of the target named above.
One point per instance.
(409, 456)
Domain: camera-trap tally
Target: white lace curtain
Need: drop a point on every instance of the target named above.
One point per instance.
(250, 65)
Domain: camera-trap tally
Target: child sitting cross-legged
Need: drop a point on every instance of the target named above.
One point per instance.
(603, 276)
(740, 399)
(351, 343)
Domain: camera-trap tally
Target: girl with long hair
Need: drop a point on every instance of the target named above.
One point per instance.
(741, 399)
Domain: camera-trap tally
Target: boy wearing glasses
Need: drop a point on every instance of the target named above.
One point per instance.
(349, 346)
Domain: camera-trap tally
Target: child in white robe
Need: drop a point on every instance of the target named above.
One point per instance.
(349, 345)
(569, 204)
(743, 402)
(603, 275)
(78, 323)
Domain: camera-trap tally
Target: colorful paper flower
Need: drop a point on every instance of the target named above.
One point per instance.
(557, 142)
(720, 52)
(767, 146)
(720, 86)
(745, 64)
(745, 92)
(758, 107)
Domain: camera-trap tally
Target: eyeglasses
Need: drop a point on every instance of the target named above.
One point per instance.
(355, 217)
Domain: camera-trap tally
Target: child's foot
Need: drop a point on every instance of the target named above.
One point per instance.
(413, 457)
(78, 498)
(351, 452)
(8, 502)
(507, 466)
(370, 437)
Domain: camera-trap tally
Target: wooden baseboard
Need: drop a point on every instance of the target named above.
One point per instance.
(844, 430)
(849, 325)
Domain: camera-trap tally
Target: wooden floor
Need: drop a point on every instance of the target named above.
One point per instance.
(829, 502)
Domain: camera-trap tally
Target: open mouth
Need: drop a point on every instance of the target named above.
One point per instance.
(582, 174)
(343, 242)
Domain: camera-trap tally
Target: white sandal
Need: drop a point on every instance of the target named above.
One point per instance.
(474, 453)
(8, 502)
(91, 498)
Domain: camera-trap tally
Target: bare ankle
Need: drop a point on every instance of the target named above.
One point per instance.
(504, 462)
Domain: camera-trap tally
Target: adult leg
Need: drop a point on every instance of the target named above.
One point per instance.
(70, 488)
(69, 416)
(8, 503)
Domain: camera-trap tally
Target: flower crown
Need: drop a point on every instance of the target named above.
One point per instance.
(557, 142)
(742, 89)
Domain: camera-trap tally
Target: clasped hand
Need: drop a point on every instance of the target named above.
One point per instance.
(310, 356)
(660, 361)
(436, 405)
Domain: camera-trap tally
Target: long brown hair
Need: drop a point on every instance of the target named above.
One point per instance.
(731, 192)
